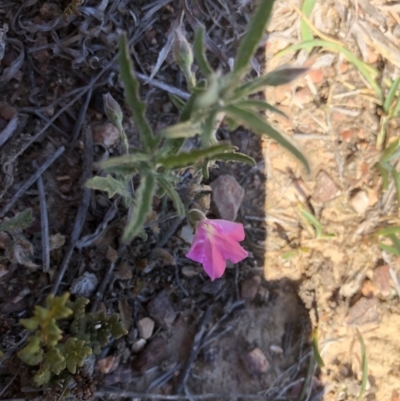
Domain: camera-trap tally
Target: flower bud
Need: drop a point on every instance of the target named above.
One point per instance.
(194, 216)
(112, 109)
(183, 54)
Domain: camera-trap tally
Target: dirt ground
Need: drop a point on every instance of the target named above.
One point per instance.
(346, 280)
(247, 335)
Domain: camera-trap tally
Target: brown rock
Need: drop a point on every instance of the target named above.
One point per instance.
(255, 362)
(7, 112)
(325, 188)
(146, 327)
(227, 196)
(106, 134)
(364, 311)
(161, 310)
(382, 281)
(151, 356)
(316, 76)
(249, 288)
(108, 364)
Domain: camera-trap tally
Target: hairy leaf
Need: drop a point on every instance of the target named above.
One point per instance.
(259, 105)
(280, 76)
(186, 159)
(252, 38)
(19, 222)
(177, 102)
(255, 123)
(132, 94)
(109, 185)
(173, 194)
(199, 53)
(186, 129)
(235, 157)
(144, 199)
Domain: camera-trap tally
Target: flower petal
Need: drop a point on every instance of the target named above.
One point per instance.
(196, 251)
(214, 263)
(230, 249)
(224, 227)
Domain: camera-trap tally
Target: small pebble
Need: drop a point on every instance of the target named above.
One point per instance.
(255, 362)
(276, 349)
(146, 327)
(360, 202)
(139, 345)
(189, 271)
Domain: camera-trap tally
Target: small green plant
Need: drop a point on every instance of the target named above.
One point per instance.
(311, 221)
(387, 166)
(390, 232)
(64, 335)
(214, 98)
(390, 103)
(18, 248)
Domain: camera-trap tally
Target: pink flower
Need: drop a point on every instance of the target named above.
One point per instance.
(215, 242)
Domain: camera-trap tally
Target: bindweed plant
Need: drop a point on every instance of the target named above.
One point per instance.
(215, 98)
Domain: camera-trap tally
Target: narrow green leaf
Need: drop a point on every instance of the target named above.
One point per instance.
(385, 175)
(389, 249)
(252, 38)
(186, 129)
(210, 95)
(199, 53)
(208, 130)
(396, 178)
(131, 159)
(396, 109)
(172, 146)
(205, 169)
(366, 71)
(307, 8)
(396, 242)
(131, 85)
(19, 222)
(261, 127)
(390, 96)
(173, 194)
(235, 157)
(259, 105)
(364, 366)
(280, 76)
(388, 231)
(390, 150)
(144, 199)
(186, 159)
(107, 184)
(313, 221)
(317, 355)
(177, 102)
(232, 124)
